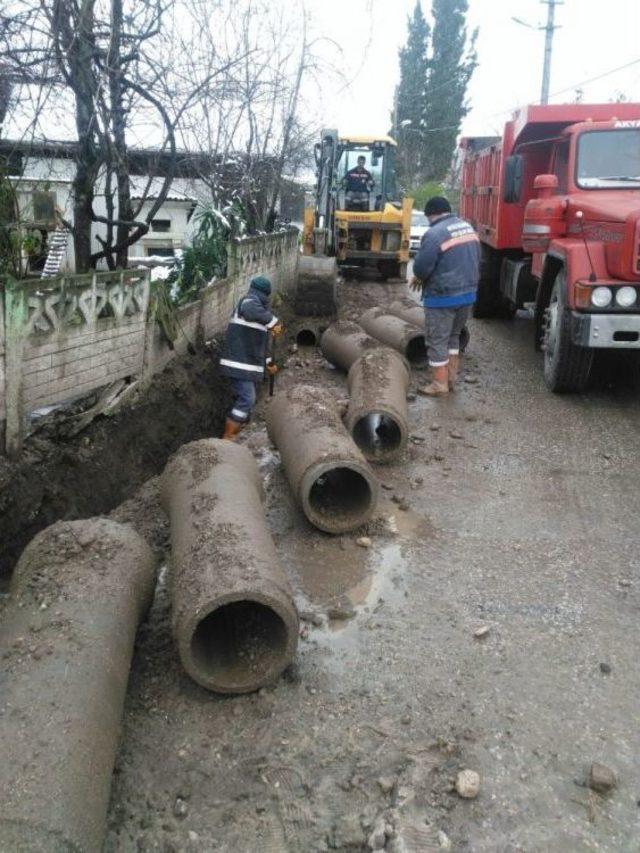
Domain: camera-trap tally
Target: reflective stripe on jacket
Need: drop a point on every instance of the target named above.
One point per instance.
(245, 347)
(448, 262)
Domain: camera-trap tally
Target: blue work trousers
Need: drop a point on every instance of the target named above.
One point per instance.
(244, 399)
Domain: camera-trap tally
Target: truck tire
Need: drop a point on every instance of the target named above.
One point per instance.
(566, 366)
(489, 301)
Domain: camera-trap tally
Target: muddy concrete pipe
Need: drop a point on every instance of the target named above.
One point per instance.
(404, 337)
(66, 639)
(408, 310)
(344, 342)
(377, 413)
(234, 620)
(328, 474)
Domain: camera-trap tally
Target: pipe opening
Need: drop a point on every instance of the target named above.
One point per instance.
(306, 338)
(237, 646)
(377, 434)
(417, 350)
(340, 493)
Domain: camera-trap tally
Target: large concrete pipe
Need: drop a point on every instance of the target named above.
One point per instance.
(396, 333)
(344, 342)
(377, 412)
(66, 639)
(234, 620)
(408, 310)
(413, 313)
(326, 471)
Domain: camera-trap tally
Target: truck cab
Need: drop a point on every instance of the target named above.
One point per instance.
(560, 228)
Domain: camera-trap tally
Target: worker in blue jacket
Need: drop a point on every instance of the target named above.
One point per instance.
(446, 270)
(244, 359)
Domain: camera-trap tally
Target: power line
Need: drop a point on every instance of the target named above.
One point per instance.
(567, 89)
(598, 77)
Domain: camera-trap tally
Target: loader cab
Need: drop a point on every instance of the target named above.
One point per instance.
(379, 161)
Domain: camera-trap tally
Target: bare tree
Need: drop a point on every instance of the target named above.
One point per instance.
(116, 60)
(255, 125)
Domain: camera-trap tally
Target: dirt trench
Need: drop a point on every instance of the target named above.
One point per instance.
(90, 474)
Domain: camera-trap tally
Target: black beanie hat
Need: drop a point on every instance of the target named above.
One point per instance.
(261, 283)
(436, 205)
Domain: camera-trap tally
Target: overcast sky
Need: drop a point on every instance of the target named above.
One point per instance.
(594, 38)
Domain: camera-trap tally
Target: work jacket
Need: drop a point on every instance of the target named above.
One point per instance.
(245, 347)
(358, 180)
(448, 263)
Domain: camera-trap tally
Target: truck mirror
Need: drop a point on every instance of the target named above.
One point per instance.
(513, 175)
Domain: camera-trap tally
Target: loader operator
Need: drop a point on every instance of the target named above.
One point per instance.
(446, 270)
(244, 359)
(358, 184)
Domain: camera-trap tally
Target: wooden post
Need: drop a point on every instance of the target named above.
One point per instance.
(16, 310)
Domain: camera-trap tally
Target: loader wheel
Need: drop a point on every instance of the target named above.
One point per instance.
(566, 366)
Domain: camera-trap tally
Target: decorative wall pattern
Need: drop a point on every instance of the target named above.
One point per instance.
(63, 338)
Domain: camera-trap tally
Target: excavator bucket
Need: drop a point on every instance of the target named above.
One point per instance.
(316, 286)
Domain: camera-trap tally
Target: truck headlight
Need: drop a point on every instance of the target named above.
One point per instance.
(626, 297)
(601, 297)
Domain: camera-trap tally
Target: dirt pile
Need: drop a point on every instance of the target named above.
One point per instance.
(90, 474)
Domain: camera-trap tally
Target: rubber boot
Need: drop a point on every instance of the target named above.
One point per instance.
(454, 367)
(231, 429)
(439, 385)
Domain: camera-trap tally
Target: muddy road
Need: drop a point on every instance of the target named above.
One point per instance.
(512, 510)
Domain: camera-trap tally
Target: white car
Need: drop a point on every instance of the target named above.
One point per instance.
(419, 224)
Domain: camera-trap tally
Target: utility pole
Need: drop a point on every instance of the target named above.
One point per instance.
(548, 48)
(549, 28)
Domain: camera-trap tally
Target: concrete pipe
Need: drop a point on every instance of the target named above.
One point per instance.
(315, 294)
(377, 412)
(396, 333)
(344, 342)
(326, 471)
(66, 638)
(414, 313)
(234, 620)
(408, 310)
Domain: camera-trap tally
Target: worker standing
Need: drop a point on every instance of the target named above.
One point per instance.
(244, 359)
(446, 270)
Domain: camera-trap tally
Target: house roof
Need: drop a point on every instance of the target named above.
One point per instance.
(149, 189)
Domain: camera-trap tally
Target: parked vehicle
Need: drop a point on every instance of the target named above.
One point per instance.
(419, 225)
(367, 229)
(556, 203)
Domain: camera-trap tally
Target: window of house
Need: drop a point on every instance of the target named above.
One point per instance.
(161, 251)
(44, 206)
(161, 225)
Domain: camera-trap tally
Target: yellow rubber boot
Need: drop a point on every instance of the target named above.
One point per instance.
(439, 385)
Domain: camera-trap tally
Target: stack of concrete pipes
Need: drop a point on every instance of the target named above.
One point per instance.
(376, 354)
(67, 634)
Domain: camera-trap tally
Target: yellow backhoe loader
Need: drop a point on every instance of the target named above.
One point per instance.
(363, 226)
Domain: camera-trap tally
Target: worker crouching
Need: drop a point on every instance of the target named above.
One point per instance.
(244, 359)
(446, 269)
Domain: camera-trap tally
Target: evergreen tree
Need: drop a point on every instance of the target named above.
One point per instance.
(410, 95)
(450, 68)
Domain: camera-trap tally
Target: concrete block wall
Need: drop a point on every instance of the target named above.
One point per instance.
(64, 338)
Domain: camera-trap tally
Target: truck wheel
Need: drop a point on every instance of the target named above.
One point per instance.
(566, 366)
(488, 299)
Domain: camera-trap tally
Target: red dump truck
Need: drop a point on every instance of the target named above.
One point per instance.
(556, 203)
